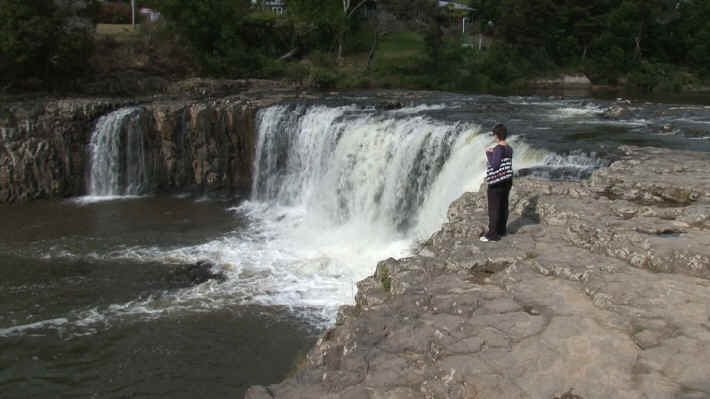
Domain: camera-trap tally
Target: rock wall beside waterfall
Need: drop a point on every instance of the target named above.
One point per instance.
(600, 291)
(197, 146)
(42, 146)
(203, 147)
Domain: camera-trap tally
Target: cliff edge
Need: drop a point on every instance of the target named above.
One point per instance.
(602, 290)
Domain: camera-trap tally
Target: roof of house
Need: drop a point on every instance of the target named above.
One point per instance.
(456, 6)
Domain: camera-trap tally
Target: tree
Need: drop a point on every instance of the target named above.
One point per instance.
(317, 22)
(349, 8)
(41, 40)
(529, 23)
(217, 33)
(382, 22)
(694, 33)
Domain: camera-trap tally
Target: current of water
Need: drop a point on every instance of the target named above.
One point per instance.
(90, 305)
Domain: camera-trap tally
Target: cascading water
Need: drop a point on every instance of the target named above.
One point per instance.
(335, 190)
(394, 172)
(120, 163)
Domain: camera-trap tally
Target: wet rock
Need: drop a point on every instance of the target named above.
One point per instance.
(205, 146)
(620, 110)
(390, 105)
(198, 273)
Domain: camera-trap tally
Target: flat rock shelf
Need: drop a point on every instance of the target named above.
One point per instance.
(601, 290)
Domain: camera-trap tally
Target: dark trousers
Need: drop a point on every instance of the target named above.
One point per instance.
(498, 209)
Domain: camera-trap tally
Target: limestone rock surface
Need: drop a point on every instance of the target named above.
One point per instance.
(600, 290)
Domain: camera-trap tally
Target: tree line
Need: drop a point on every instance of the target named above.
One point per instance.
(44, 41)
(645, 43)
(608, 39)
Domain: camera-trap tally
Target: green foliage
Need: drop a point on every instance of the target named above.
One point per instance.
(606, 67)
(229, 37)
(324, 78)
(503, 65)
(651, 44)
(694, 34)
(401, 61)
(39, 41)
(385, 279)
(296, 73)
(320, 19)
(679, 81)
(648, 75)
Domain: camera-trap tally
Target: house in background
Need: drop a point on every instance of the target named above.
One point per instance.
(279, 7)
(276, 6)
(149, 15)
(458, 13)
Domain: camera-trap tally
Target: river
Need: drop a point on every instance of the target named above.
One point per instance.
(94, 301)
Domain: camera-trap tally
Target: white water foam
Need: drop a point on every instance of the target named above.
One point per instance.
(577, 112)
(92, 199)
(620, 122)
(336, 189)
(421, 108)
(40, 325)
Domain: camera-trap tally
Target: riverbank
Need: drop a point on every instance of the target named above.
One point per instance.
(600, 290)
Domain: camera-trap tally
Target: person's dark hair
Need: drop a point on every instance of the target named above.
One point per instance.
(500, 131)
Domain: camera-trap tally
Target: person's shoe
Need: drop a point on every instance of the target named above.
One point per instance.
(484, 239)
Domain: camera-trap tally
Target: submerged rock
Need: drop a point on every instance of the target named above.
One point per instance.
(390, 105)
(570, 304)
(198, 273)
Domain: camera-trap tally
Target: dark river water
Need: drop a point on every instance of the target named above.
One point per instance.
(76, 324)
(95, 299)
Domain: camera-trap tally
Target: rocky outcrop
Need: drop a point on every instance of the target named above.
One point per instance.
(601, 290)
(43, 144)
(202, 146)
(194, 274)
(564, 81)
(199, 145)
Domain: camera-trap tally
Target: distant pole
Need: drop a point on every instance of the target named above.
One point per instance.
(133, 13)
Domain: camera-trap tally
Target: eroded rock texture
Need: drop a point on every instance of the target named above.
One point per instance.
(601, 290)
(200, 145)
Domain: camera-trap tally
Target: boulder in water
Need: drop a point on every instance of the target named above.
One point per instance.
(198, 273)
(390, 105)
(615, 112)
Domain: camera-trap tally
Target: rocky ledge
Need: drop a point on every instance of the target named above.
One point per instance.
(200, 138)
(601, 290)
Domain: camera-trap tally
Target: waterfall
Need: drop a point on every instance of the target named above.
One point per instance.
(120, 161)
(395, 172)
(336, 189)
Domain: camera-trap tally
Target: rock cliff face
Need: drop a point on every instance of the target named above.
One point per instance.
(43, 145)
(200, 145)
(601, 290)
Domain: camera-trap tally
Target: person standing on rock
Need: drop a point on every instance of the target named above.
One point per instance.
(499, 177)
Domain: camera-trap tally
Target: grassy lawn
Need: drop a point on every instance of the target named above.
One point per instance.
(400, 45)
(119, 32)
(398, 60)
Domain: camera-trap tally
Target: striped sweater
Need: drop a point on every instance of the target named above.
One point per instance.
(500, 164)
